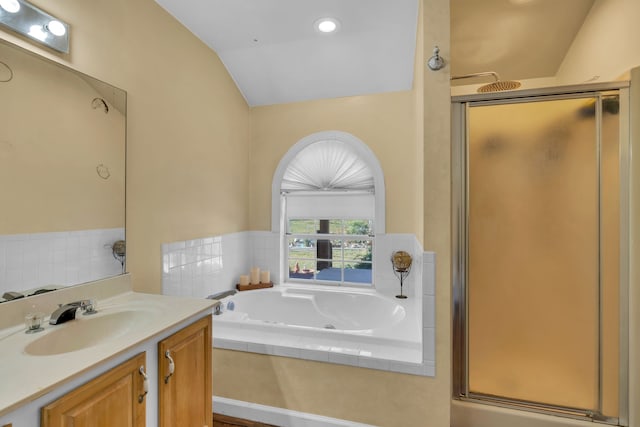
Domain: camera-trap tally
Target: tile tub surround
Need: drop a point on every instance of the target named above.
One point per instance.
(202, 267)
(205, 266)
(29, 261)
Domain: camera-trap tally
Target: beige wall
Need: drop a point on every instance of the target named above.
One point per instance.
(607, 45)
(385, 122)
(187, 129)
(437, 201)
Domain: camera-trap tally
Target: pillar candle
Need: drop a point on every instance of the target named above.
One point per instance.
(255, 275)
(265, 277)
(244, 279)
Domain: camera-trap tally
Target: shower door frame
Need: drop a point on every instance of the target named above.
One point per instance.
(460, 220)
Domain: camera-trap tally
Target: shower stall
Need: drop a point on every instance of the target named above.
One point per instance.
(540, 251)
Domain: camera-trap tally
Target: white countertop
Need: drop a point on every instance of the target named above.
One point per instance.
(25, 377)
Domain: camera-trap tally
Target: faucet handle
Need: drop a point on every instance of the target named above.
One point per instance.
(88, 306)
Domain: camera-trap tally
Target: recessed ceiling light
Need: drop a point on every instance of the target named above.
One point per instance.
(11, 6)
(327, 25)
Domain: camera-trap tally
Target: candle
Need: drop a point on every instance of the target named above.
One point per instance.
(255, 275)
(265, 277)
(244, 279)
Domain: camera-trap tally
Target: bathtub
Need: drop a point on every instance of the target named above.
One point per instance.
(336, 325)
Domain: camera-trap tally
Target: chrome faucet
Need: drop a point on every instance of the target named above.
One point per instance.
(66, 312)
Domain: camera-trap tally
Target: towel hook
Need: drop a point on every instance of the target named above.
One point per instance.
(436, 62)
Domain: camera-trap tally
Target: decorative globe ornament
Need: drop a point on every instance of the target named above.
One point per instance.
(401, 262)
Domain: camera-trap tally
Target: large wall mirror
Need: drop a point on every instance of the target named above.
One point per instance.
(62, 175)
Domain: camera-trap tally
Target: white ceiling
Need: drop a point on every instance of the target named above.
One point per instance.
(275, 55)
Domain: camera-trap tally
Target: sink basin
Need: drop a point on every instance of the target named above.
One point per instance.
(85, 332)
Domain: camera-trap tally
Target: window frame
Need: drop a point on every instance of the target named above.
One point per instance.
(342, 236)
(278, 204)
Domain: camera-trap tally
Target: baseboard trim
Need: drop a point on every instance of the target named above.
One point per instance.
(276, 416)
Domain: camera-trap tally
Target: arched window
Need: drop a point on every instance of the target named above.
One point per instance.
(328, 205)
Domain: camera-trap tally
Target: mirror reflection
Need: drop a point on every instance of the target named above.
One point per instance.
(62, 169)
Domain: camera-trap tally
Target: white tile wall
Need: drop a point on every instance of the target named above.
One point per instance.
(201, 267)
(265, 252)
(30, 261)
(205, 266)
(429, 312)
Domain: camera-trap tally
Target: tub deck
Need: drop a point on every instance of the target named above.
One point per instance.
(393, 342)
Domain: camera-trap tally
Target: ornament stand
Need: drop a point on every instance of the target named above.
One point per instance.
(402, 274)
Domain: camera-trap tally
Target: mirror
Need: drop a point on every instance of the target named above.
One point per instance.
(62, 169)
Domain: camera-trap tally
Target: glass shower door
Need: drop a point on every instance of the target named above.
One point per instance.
(541, 253)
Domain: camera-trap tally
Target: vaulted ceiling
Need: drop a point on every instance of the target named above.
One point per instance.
(275, 55)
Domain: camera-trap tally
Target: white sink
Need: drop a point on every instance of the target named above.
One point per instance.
(86, 331)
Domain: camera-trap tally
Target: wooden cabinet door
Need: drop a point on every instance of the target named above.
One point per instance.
(185, 396)
(112, 399)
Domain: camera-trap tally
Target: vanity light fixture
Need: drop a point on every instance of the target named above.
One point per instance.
(327, 25)
(26, 19)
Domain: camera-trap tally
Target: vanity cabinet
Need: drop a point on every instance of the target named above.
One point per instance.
(184, 377)
(118, 397)
(112, 399)
(102, 385)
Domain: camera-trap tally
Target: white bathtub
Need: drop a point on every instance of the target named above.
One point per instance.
(347, 326)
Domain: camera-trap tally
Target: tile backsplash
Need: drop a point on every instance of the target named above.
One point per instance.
(29, 261)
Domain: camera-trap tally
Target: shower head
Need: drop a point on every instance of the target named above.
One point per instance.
(497, 86)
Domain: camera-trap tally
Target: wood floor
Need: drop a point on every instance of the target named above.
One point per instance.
(226, 421)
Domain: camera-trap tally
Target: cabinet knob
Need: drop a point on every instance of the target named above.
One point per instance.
(145, 384)
(172, 366)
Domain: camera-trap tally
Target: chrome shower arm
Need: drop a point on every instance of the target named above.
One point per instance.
(468, 76)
